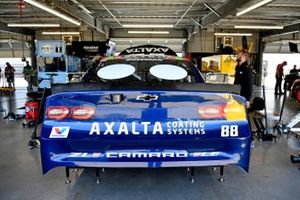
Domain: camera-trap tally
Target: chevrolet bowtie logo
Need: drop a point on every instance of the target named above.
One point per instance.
(147, 97)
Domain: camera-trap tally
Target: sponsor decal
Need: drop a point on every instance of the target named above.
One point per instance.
(59, 132)
(47, 48)
(144, 59)
(147, 50)
(147, 128)
(131, 154)
(91, 48)
(205, 154)
(143, 154)
(167, 154)
(84, 155)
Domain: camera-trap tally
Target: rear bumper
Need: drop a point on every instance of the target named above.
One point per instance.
(80, 149)
(201, 159)
(237, 152)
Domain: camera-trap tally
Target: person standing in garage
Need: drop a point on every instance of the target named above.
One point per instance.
(9, 73)
(243, 74)
(278, 76)
(28, 72)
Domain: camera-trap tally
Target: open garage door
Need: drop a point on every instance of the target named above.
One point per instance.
(275, 53)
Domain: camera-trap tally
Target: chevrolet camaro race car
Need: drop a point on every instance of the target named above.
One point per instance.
(144, 108)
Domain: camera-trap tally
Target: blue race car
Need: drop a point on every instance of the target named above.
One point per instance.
(144, 108)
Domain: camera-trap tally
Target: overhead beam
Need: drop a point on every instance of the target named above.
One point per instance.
(22, 31)
(286, 29)
(226, 9)
(77, 13)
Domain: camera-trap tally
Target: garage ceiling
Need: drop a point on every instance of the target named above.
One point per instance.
(183, 14)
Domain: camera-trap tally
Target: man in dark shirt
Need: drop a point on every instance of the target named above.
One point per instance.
(9, 73)
(243, 75)
(28, 72)
(294, 70)
(279, 76)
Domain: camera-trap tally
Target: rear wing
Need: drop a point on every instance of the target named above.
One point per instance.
(201, 87)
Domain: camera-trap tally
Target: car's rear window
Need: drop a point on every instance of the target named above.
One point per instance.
(150, 70)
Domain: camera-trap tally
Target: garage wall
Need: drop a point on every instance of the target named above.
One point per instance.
(11, 45)
(204, 41)
(9, 53)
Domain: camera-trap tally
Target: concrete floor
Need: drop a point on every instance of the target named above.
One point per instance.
(271, 176)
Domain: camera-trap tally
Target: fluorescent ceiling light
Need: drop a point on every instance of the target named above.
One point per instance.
(146, 39)
(61, 33)
(33, 25)
(54, 12)
(253, 7)
(233, 34)
(149, 32)
(259, 27)
(146, 2)
(148, 25)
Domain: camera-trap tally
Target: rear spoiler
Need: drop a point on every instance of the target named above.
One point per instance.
(202, 87)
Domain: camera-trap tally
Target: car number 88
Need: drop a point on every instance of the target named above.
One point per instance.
(229, 131)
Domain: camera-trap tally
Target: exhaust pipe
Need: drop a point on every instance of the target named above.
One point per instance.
(295, 159)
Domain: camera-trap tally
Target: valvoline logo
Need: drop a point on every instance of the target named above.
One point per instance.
(59, 132)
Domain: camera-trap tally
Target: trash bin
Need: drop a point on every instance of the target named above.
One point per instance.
(31, 110)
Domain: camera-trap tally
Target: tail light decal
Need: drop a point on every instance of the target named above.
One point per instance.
(231, 111)
(211, 111)
(76, 112)
(82, 113)
(57, 112)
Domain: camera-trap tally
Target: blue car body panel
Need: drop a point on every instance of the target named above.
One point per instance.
(167, 132)
(152, 123)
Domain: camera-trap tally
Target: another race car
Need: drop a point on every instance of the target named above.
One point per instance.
(145, 108)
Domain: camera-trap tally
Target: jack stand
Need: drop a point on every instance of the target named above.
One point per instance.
(98, 176)
(192, 174)
(34, 142)
(221, 179)
(67, 175)
(267, 137)
(282, 128)
(76, 170)
(10, 115)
